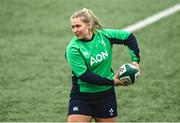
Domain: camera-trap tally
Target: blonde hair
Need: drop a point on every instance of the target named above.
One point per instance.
(88, 17)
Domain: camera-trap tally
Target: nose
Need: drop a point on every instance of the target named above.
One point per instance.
(75, 30)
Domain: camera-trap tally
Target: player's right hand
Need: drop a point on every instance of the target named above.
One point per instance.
(119, 82)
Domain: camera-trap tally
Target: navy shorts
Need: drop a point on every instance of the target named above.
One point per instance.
(105, 107)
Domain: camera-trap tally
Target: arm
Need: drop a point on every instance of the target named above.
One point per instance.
(98, 80)
(131, 42)
(126, 38)
(95, 79)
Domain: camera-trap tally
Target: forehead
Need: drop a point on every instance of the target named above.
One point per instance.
(76, 20)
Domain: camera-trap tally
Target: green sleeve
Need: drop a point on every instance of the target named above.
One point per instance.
(76, 61)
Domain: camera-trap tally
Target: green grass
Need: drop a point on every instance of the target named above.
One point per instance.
(35, 80)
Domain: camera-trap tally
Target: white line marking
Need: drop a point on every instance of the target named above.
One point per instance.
(154, 18)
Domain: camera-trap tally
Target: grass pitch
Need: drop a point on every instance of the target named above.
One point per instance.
(35, 79)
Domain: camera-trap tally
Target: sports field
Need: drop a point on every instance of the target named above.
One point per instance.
(35, 80)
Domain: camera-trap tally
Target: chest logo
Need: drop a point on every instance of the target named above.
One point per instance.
(99, 57)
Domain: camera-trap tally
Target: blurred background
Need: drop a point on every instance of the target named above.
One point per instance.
(35, 79)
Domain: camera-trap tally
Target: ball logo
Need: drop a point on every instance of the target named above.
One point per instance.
(121, 70)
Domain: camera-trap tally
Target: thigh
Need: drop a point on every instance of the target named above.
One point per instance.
(79, 118)
(105, 119)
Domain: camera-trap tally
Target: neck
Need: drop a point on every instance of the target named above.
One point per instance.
(89, 36)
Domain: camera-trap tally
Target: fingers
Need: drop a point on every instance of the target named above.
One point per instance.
(135, 64)
(122, 82)
(118, 81)
(116, 76)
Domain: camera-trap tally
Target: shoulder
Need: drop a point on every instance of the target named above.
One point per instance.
(73, 43)
(72, 47)
(114, 33)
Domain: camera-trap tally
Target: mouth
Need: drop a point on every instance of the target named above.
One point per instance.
(78, 35)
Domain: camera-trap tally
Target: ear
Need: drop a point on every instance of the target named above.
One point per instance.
(89, 25)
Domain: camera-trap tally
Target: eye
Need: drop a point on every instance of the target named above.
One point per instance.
(78, 26)
(72, 26)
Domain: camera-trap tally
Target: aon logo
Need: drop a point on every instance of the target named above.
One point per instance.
(99, 57)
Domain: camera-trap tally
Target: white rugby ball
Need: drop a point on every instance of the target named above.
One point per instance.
(129, 72)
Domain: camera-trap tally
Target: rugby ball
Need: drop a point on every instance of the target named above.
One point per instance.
(129, 72)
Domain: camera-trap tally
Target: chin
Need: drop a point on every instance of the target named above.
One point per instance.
(79, 37)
